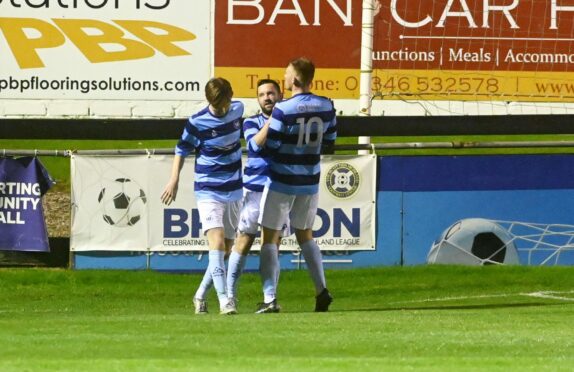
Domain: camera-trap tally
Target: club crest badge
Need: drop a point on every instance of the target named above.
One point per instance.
(342, 180)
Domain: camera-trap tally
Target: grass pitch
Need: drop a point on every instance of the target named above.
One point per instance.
(427, 317)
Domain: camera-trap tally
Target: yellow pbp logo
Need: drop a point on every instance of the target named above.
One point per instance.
(26, 36)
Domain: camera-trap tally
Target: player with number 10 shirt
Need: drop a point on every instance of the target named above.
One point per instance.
(299, 128)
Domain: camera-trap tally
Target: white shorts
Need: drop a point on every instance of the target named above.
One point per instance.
(215, 214)
(249, 218)
(279, 208)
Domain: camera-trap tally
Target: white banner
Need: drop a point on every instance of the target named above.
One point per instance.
(347, 214)
(105, 50)
(116, 205)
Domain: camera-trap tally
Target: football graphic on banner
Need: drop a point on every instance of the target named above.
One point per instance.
(122, 202)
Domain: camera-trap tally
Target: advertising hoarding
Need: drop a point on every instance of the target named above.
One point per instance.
(117, 207)
(432, 50)
(23, 182)
(106, 50)
(474, 50)
(161, 50)
(257, 39)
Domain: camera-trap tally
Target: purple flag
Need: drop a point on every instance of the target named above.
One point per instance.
(23, 181)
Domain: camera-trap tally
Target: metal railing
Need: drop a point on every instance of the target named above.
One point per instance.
(350, 147)
(456, 145)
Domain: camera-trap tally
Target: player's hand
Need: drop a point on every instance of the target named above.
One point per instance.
(169, 193)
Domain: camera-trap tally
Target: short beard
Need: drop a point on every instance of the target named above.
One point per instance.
(266, 112)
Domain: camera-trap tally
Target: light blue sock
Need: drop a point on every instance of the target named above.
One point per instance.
(235, 267)
(268, 268)
(204, 286)
(314, 261)
(216, 268)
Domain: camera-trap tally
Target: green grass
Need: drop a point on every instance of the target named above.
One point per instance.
(59, 167)
(429, 317)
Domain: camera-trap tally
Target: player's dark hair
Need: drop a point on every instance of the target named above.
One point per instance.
(218, 92)
(305, 70)
(269, 81)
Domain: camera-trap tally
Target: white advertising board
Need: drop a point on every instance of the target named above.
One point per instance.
(116, 205)
(105, 50)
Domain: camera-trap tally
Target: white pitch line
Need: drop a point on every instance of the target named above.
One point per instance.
(549, 295)
(454, 298)
(542, 294)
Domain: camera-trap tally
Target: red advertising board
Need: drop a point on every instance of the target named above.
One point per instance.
(256, 39)
(512, 50)
(481, 35)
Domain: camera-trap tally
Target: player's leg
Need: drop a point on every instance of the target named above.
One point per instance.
(200, 297)
(230, 222)
(275, 209)
(216, 266)
(237, 260)
(303, 215)
(247, 228)
(211, 213)
(286, 232)
(235, 263)
(269, 269)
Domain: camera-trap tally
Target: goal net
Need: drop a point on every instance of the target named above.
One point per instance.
(542, 244)
(479, 241)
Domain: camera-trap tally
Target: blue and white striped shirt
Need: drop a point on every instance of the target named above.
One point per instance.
(256, 172)
(217, 145)
(299, 127)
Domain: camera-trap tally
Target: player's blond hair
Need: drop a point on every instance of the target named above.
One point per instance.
(305, 70)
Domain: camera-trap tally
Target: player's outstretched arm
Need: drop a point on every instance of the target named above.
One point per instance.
(170, 190)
